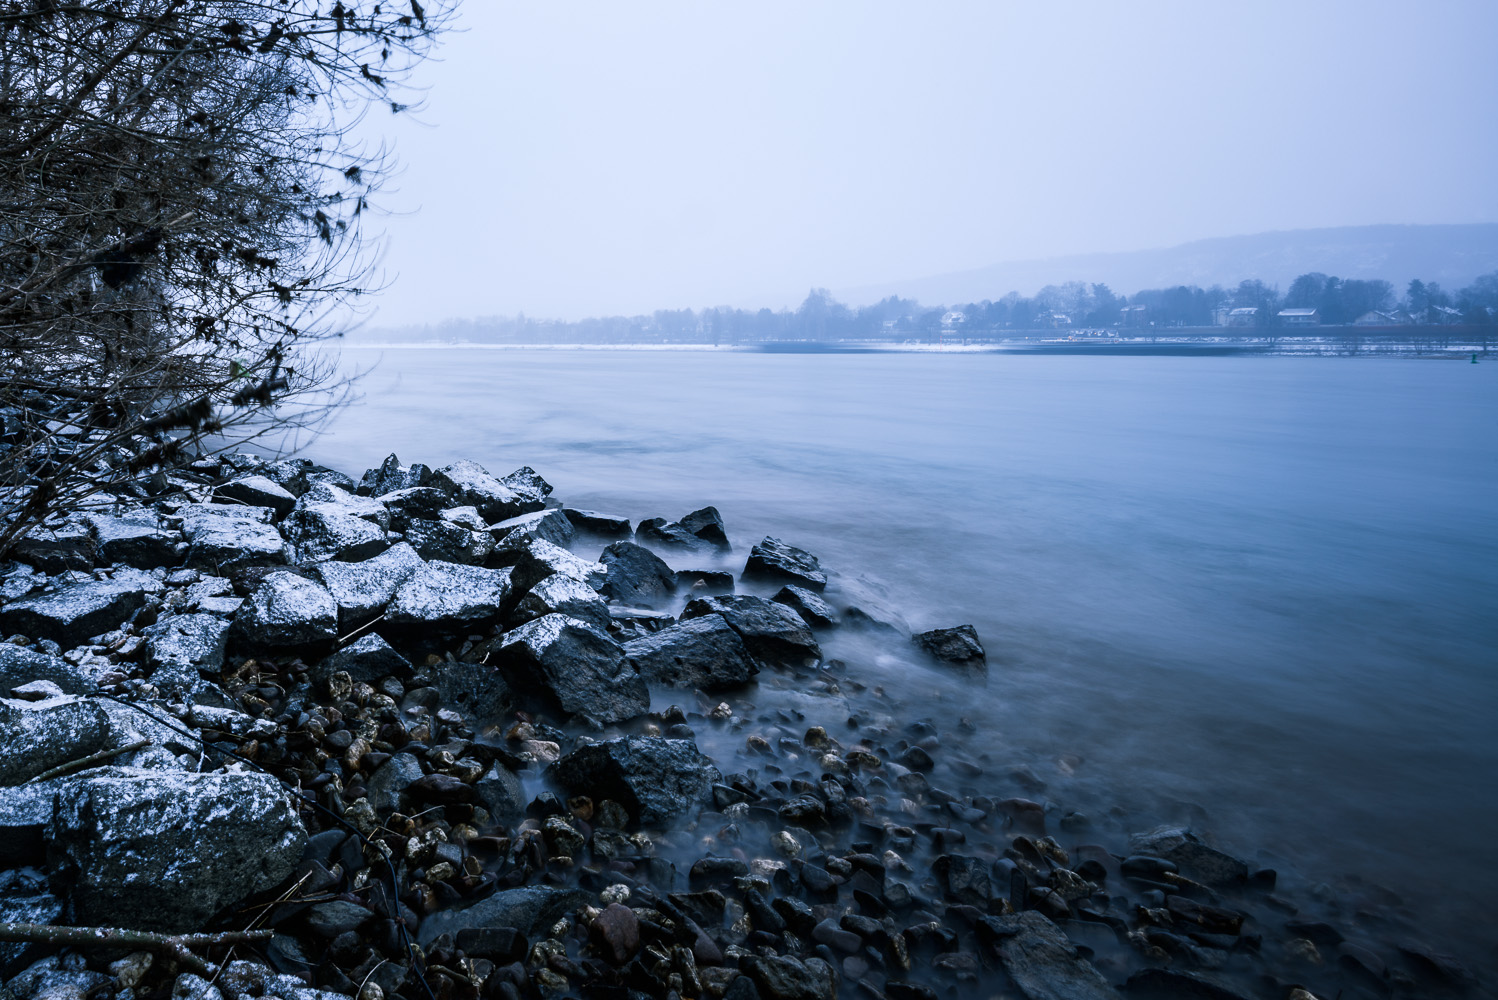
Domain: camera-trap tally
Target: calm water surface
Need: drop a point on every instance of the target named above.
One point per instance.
(1260, 595)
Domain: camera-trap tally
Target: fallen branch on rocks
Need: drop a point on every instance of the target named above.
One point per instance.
(86, 762)
(174, 946)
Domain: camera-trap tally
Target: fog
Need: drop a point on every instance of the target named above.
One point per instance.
(581, 159)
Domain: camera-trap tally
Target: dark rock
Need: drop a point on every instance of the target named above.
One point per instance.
(515, 534)
(161, 850)
(702, 652)
(57, 547)
(809, 605)
(470, 485)
(256, 491)
(392, 476)
(605, 525)
(444, 593)
(19, 665)
(636, 576)
(477, 690)
(1147, 867)
(499, 944)
(528, 481)
(182, 648)
(286, 610)
(448, 542)
(712, 871)
(442, 789)
(425, 503)
(529, 910)
(704, 582)
(579, 667)
(221, 538)
(1150, 984)
(335, 917)
(655, 779)
(707, 524)
(964, 879)
(1212, 919)
(562, 595)
(773, 633)
(75, 611)
(1198, 862)
(1041, 962)
(390, 781)
(501, 793)
(368, 658)
(958, 646)
(541, 559)
(857, 619)
(363, 589)
(616, 933)
(785, 978)
(136, 538)
(41, 735)
(318, 531)
(774, 561)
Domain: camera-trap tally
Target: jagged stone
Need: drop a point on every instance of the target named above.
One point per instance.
(702, 652)
(636, 576)
(655, 779)
(1042, 963)
(414, 502)
(577, 666)
(19, 665)
(809, 605)
(1198, 861)
(558, 594)
(38, 736)
(529, 909)
(448, 542)
(775, 561)
(256, 491)
(542, 559)
(786, 978)
(319, 531)
(391, 476)
(182, 648)
(368, 658)
(773, 633)
(363, 589)
(516, 534)
(958, 646)
(287, 610)
(605, 525)
(56, 547)
(136, 538)
(221, 538)
(471, 484)
(75, 612)
(444, 593)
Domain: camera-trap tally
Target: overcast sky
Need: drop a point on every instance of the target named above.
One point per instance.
(582, 159)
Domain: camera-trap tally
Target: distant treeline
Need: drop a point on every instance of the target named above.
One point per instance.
(1074, 305)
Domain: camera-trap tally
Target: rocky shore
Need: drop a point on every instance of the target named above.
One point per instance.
(432, 734)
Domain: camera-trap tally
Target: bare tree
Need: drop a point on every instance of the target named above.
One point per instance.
(181, 202)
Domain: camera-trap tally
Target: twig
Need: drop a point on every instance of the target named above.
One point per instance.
(89, 761)
(362, 628)
(172, 945)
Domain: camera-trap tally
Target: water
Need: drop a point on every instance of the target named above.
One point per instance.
(1257, 594)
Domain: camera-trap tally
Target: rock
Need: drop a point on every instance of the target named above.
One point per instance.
(286, 610)
(75, 612)
(448, 542)
(415, 503)
(160, 850)
(290, 474)
(363, 589)
(502, 794)
(704, 582)
(19, 665)
(1197, 861)
(221, 538)
(958, 646)
(56, 547)
(636, 576)
(577, 666)
(392, 476)
(449, 594)
(541, 559)
(318, 532)
(558, 594)
(605, 525)
(1149, 984)
(809, 605)
(707, 524)
(390, 781)
(256, 491)
(477, 690)
(857, 619)
(38, 736)
(368, 658)
(1041, 962)
(526, 480)
(136, 538)
(703, 652)
(183, 647)
(774, 561)
(616, 933)
(516, 534)
(530, 910)
(785, 978)
(654, 778)
(773, 633)
(469, 484)
(336, 916)
(26, 909)
(669, 534)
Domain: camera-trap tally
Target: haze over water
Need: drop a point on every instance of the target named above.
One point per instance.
(1258, 595)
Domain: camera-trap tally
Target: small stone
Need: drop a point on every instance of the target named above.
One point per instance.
(616, 933)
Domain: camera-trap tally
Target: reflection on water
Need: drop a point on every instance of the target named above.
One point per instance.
(1256, 594)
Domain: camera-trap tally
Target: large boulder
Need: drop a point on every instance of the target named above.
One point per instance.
(636, 576)
(287, 610)
(470, 484)
(75, 612)
(449, 594)
(575, 665)
(776, 562)
(703, 652)
(320, 531)
(38, 736)
(477, 690)
(516, 534)
(528, 909)
(57, 546)
(221, 537)
(813, 610)
(542, 559)
(391, 476)
(138, 538)
(19, 665)
(778, 977)
(415, 502)
(562, 595)
(256, 491)
(161, 850)
(182, 648)
(591, 521)
(1041, 961)
(700, 530)
(448, 542)
(526, 480)
(655, 779)
(368, 658)
(774, 633)
(362, 589)
(958, 646)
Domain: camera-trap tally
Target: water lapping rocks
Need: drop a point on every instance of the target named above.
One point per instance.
(409, 725)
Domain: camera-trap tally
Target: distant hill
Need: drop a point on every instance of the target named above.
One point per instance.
(1450, 255)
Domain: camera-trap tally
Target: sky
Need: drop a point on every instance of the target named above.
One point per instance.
(592, 158)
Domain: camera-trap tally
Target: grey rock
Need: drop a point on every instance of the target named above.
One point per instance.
(707, 524)
(1198, 861)
(668, 534)
(287, 610)
(448, 542)
(166, 851)
(809, 605)
(289, 474)
(516, 534)
(224, 607)
(774, 561)
(257, 491)
(137, 538)
(391, 476)
(558, 594)
(444, 593)
(1041, 961)
(363, 589)
(606, 525)
(331, 477)
(390, 781)
(703, 652)
(76, 611)
(502, 794)
(35, 909)
(859, 619)
(542, 559)
(38, 736)
(19, 665)
(477, 690)
(575, 665)
(318, 532)
(1176, 984)
(636, 576)
(58, 546)
(530, 909)
(958, 646)
(41, 983)
(654, 778)
(221, 538)
(471, 484)
(414, 503)
(336, 916)
(786, 978)
(773, 633)
(368, 658)
(183, 647)
(526, 480)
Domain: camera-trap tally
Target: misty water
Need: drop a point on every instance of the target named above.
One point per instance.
(1256, 595)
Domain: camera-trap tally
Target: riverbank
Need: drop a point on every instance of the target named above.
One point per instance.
(548, 771)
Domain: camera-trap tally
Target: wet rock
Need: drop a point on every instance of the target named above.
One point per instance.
(222, 538)
(654, 778)
(448, 542)
(424, 503)
(75, 611)
(477, 690)
(256, 491)
(471, 485)
(616, 933)
(858, 619)
(773, 633)
(707, 524)
(363, 589)
(367, 659)
(605, 525)
(785, 978)
(137, 538)
(541, 559)
(577, 666)
(703, 652)
(774, 561)
(809, 605)
(444, 593)
(501, 793)
(1197, 861)
(392, 476)
(964, 879)
(19, 665)
(529, 910)
(286, 610)
(1159, 984)
(390, 781)
(182, 648)
(515, 534)
(320, 531)
(636, 576)
(25, 909)
(526, 480)
(336, 916)
(1041, 962)
(57, 547)
(958, 646)
(38, 736)
(563, 595)
(166, 851)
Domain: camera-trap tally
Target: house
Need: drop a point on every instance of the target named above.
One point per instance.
(1299, 317)
(1443, 316)
(952, 320)
(1243, 316)
(1375, 318)
(1132, 316)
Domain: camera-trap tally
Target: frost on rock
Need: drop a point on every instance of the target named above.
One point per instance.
(38, 736)
(166, 851)
(362, 589)
(19, 665)
(515, 534)
(444, 593)
(577, 666)
(77, 611)
(222, 537)
(287, 610)
(320, 531)
(137, 537)
(541, 559)
(257, 491)
(182, 647)
(559, 594)
(471, 484)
